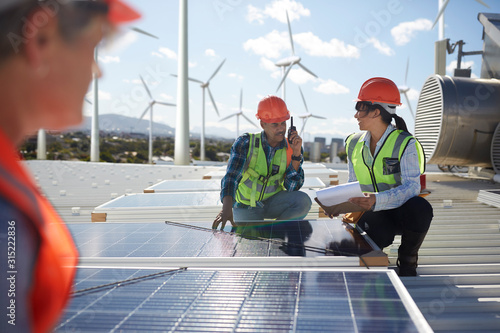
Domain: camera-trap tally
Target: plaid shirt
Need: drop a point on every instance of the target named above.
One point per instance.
(293, 179)
(410, 174)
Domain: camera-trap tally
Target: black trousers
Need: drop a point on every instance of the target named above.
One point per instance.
(415, 215)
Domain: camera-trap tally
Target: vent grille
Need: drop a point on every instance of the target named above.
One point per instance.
(495, 149)
(429, 117)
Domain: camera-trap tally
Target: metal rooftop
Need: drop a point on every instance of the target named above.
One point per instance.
(458, 287)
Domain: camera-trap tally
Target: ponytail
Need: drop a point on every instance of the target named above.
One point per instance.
(387, 118)
(400, 123)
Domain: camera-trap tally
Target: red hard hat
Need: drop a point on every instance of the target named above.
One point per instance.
(379, 90)
(120, 12)
(272, 109)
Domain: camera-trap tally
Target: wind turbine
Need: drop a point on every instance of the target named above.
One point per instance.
(404, 89)
(205, 85)
(306, 115)
(152, 102)
(440, 16)
(238, 114)
(289, 62)
(94, 131)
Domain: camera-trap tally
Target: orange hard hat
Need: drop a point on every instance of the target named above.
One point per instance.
(379, 90)
(120, 12)
(272, 109)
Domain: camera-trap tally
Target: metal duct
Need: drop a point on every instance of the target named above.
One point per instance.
(456, 118)
(495, 150)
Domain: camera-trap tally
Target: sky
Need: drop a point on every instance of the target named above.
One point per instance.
(343, 42)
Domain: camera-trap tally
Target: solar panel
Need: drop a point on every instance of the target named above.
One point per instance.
(291, 238)
(241, 301)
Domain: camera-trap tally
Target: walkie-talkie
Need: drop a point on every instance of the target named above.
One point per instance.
(292, 128)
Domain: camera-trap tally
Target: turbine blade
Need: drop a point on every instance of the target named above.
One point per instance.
(409, 105)
(213, 101)
(303, 126)
(303, 99)
(251, 122)
(440, 13)
(143, 32)
(290, 33)
(164, 103)
(407, 66)
(483, 3)
(88, 101)
(147, 89)
(217, 70)
(284, 77)
(190, 79)
(144, 113)
(241, 98)
(318, 117)
(231, 115)
(307, 70)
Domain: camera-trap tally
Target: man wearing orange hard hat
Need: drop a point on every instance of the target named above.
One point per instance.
(46, 65)
(264, 172)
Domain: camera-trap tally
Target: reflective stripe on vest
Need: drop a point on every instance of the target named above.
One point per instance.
(55, 265)
(385, 173)
(258, 182)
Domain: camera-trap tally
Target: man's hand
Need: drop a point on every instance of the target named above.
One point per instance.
(366, 202)
(226, 214)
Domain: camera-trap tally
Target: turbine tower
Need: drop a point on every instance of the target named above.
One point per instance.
(289, 62)
(440, 16)
(307, 115)
(182, 123)
(152, 102)
(404, 89)
(238, 114)
(205, 85)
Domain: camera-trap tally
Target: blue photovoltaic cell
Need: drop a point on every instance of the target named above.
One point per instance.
(237, 301)
(293, 238)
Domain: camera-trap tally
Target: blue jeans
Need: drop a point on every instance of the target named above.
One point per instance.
(283, 205)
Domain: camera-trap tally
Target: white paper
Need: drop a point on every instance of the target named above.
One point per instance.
(335, 195)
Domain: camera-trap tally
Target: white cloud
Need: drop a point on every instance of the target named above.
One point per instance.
(330, 87)
(255, 14)
(165, 52)
(381, 47)
(166, 97)
(104, 95)
(108, 59)
(314, 46)
(192, 64)
(404, 32)
(299, 76)
(450, 69)
(277, 10)
(270, 45)
(235, 76)
(210, 52)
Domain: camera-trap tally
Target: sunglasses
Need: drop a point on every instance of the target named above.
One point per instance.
(363, 106)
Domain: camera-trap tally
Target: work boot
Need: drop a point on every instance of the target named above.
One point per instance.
(408, 252)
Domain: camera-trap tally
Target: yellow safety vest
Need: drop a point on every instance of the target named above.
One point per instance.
(260, 181)
(385, 172)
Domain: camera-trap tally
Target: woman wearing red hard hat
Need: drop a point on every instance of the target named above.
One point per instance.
(46, 65)
(388, 161)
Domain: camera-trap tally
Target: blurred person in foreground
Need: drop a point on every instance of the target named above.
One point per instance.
(46, 65)
(388, 161)
(264, 172)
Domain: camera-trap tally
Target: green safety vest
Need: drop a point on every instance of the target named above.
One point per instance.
(385, 172)
(260, 181)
